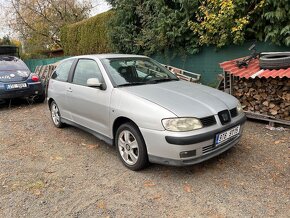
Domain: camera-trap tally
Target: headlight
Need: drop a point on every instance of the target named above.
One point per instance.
(239, 108)
(181, 124)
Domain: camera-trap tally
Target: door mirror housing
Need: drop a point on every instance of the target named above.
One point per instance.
(94, 82)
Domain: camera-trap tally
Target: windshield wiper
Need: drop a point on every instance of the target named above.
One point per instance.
(131, 84)
(161, 80)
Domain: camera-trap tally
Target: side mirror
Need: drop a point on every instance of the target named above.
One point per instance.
(94, 82)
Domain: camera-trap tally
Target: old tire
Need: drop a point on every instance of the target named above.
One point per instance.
(131, 147)
(275, 61)
(55, 115)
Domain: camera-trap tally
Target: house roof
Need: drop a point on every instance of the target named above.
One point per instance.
(253, 70)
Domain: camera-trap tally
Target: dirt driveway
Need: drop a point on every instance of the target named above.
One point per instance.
(50, 172)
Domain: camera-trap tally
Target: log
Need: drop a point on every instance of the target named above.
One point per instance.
(264, 96)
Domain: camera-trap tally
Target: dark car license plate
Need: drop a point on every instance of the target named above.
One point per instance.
(16, 86)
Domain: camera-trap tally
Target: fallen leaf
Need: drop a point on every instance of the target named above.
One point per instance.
(278, 142)
(157, 197)
(37, 192)
(149, 183)
(226, 183)
(187, 188)
(52, 158)
(166, 173)
(92, 146)
(101, 204)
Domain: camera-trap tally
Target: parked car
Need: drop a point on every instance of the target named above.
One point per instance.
(137, 105)
(16, 80)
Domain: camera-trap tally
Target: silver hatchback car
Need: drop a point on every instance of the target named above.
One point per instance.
(137, 105)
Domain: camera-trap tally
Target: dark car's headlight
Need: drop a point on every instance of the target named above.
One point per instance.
(181, 124)
(239, 108)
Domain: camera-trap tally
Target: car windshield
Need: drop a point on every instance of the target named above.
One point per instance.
(136, 71)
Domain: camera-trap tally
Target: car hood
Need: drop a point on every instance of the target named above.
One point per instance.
(185, 98)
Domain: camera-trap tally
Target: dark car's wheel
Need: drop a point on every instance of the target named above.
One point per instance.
(39, 98)
(131, 147)
(55, 115)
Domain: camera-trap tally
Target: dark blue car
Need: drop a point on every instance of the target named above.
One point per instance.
(16, 80)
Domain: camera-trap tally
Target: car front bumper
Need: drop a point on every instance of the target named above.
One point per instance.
(35, 88)
(187, 148)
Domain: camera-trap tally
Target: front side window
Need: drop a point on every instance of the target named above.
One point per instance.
(136, 71)
(62, 71)
(85, 70)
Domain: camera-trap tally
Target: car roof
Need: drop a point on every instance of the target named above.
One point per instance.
(105, 56)
(12, 63)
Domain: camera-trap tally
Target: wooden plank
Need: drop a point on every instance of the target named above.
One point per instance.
(183, 74)
(263, 117)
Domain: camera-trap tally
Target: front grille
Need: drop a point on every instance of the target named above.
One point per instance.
(224, 117)
(207, 149)
(234, 112)
(208, 121)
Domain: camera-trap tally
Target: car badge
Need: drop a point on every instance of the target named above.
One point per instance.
(12, 75)
(225, 117)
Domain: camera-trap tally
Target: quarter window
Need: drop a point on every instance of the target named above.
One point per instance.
(85, 70)
(61, 73)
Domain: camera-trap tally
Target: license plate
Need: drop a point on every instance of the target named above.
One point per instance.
(16, 86)
(224, 136)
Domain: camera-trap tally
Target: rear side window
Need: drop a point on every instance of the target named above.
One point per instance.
(61, 73)
(85, 70)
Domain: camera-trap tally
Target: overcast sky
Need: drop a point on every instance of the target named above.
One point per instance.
(99, 6)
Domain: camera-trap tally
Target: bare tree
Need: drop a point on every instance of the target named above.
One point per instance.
(38, 22)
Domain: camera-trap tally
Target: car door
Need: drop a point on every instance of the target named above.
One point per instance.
(58, 86)
(89, 106)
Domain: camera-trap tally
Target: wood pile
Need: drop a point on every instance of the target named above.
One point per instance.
(264, 96)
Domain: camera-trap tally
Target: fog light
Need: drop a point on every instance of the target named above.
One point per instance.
(36, 92)
(185, 154)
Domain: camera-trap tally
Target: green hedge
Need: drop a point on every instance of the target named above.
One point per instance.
(88, 36)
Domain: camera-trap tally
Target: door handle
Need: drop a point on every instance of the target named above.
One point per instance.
(69, 90)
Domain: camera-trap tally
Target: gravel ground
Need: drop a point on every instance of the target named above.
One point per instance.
(50, 172)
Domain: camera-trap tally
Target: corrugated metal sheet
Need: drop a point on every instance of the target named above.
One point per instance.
(253, 70)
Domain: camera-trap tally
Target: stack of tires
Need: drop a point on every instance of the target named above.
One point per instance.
(275, 61)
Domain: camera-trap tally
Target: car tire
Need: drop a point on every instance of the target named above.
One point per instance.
(39, 98)
(55, 115)
(131, 147)
(277, 60)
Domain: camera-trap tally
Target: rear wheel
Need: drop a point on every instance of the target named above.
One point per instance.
(131, 147)
(55, 115)
(39, 98)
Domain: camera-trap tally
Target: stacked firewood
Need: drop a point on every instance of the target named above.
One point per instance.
(264, 96)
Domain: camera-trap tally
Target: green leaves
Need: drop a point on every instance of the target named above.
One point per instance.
(152, 26)
(274, 22)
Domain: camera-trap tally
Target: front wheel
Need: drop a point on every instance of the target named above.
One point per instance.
(131, 147)
(55, 115)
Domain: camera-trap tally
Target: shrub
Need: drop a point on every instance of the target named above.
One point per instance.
(88, 36)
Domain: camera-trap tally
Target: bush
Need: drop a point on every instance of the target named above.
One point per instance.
(88, 36)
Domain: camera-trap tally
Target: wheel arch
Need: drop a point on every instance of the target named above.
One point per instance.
(122, 120)
(50, 100)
